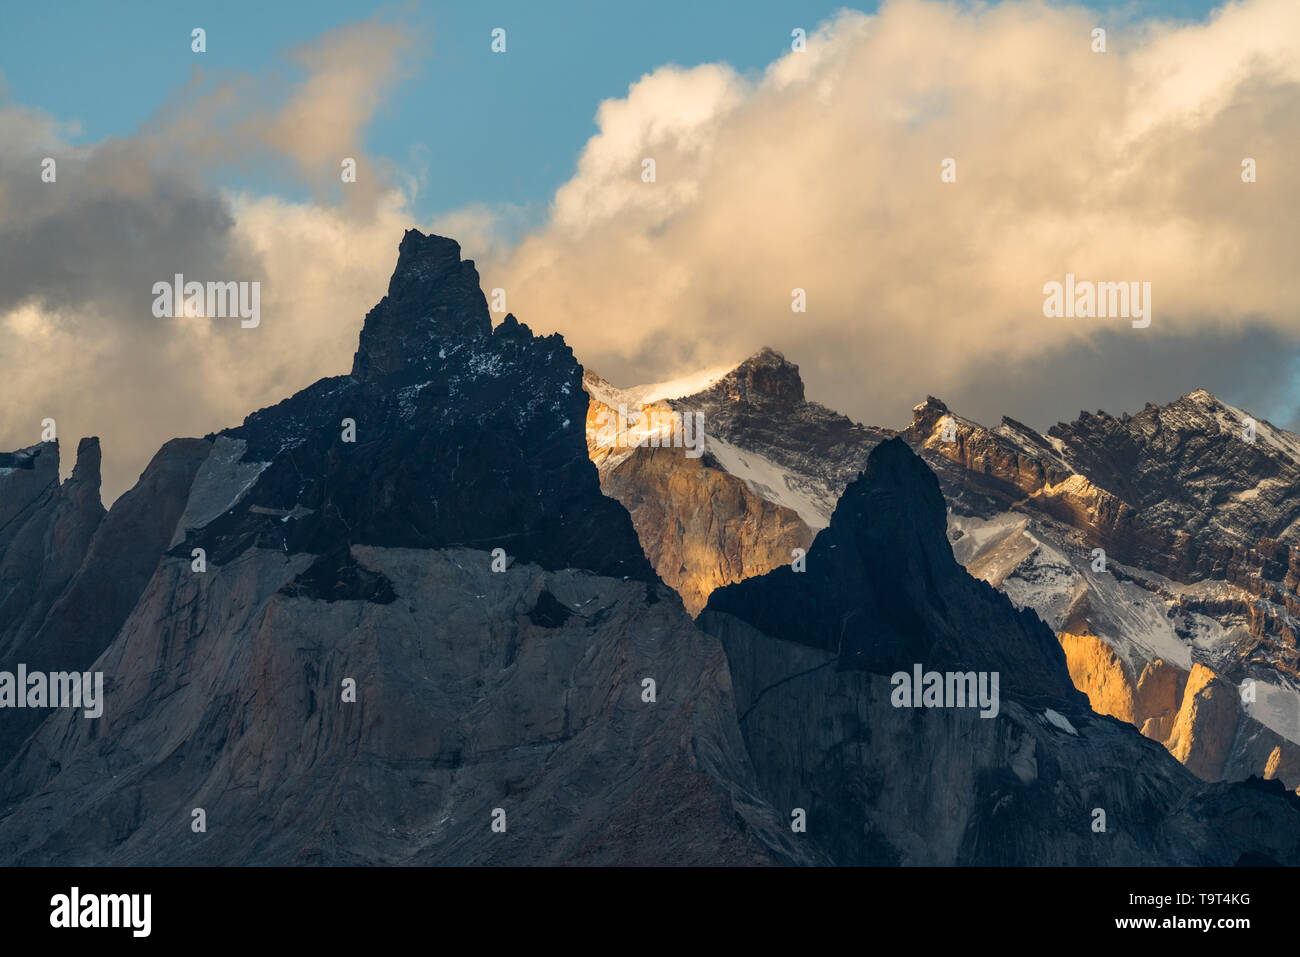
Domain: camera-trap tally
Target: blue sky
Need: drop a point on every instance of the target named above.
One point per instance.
(484, 128)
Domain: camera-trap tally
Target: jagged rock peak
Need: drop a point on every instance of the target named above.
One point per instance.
(1202, 395)
(1199, 413)
(434, 299)
(26, 475)
(928, 413)
(1196, 401)
(883, 590)
(88, 461)
(512, 328)
(895, 505)
(765, 378)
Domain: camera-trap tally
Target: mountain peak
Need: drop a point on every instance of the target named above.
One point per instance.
(88, 461)
(766, 355)
(896, 505)
(765, 378)
(925, 417)
(883, 591)
(419, 253)
(1196, 402)
(433, 299)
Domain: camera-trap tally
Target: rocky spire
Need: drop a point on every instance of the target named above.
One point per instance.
(883, 590)
(433, 300)
(86, 471)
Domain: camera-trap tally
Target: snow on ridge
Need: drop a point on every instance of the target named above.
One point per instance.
(1133, 621)
(1280, 439)
(1230, 421)
(1130, 619)
(1277, 707)
(1022, 439)
(768, 480)
(220, 482)
(639, 395)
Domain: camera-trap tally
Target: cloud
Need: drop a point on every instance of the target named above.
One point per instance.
(823, 173)
(79, 256)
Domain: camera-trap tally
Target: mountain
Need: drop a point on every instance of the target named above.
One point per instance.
(46, 530)
(1190, 631)
(512, 681)
(814, 658)
(772, 467)
(394, 619)
(701, 525)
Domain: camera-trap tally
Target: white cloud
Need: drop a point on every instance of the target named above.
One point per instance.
(823, 174)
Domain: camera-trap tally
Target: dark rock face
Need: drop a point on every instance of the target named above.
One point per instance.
(114, 556)
(352, 677)
(307, 630)
(809, 656)
(26, 474)
(463, 705)
(433, 297)
(1184, 466)
(464, 437)
(883, 592)
(549, 612)
(45, 529)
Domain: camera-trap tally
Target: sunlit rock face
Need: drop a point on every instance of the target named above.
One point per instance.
(1198, 525)
(395, 619)
(814, 660)
(767, 475)
(701, 527)
(1198, 575)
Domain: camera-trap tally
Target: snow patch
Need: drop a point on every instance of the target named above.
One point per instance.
(1060, 721)
(768, 480)
(1280, 439)
(639, 395)
(221, 481)
(1277, 708)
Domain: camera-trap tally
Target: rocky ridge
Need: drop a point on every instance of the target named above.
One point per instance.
(1197, 525)
(358, 651)
(381, 618)
(812, 662)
